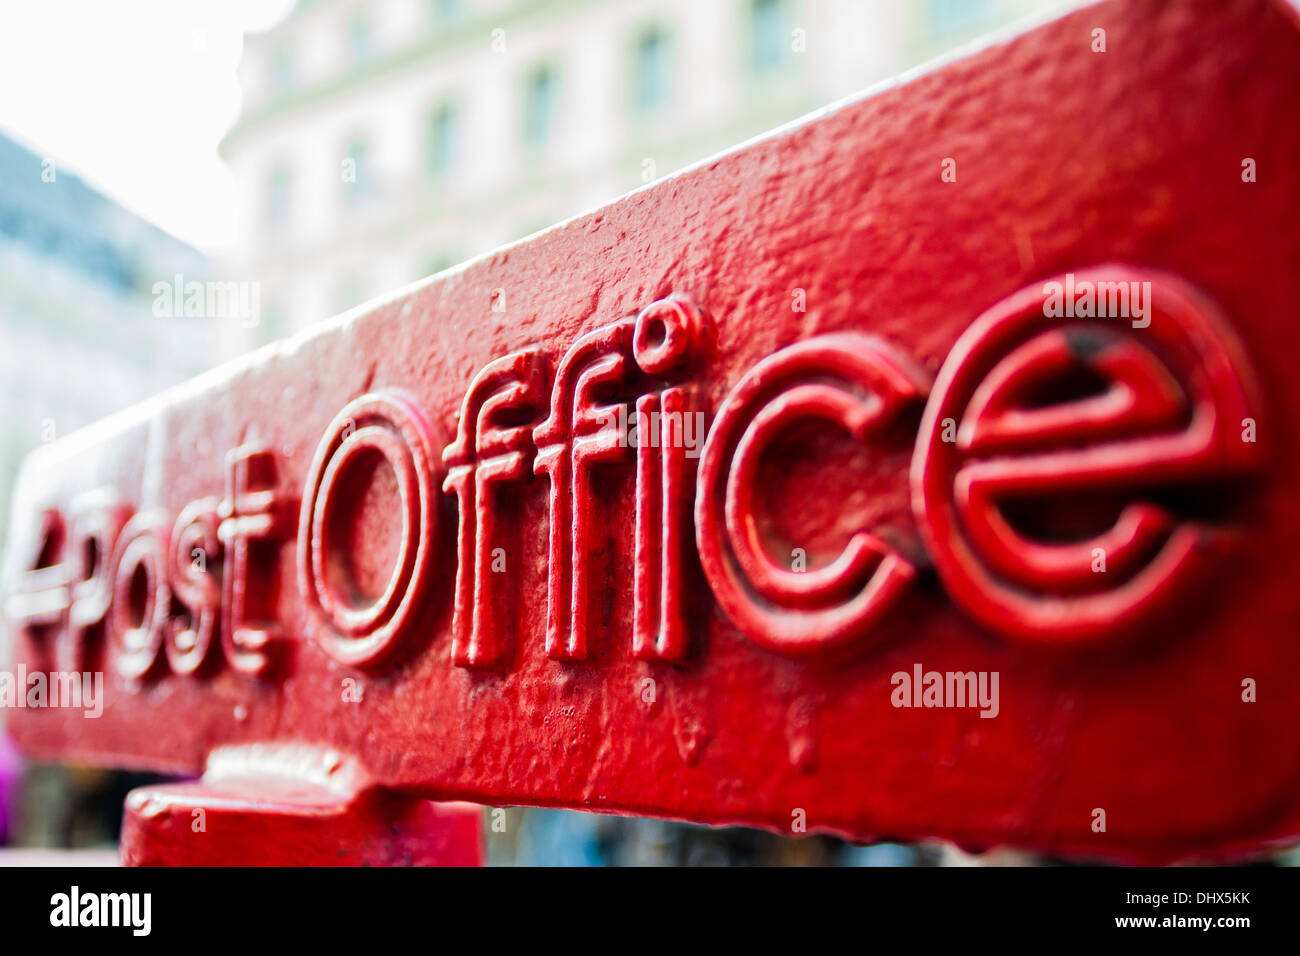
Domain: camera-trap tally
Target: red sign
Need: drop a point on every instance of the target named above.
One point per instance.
(923, 470)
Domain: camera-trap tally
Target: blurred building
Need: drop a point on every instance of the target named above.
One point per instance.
(79, 334)
(384, 140)
(80, 338)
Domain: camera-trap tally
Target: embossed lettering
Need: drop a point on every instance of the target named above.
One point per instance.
(391, 426)
(138, 615)
(1092, 426)
(858, 382)
(492, 446)
(252, 516)
(581, 432)
(196, 588)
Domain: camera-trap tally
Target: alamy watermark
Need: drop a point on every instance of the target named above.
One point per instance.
(133, 911)
(1086, 299)
(74, 690)
(658, 429)
(922, 688)
(237, 299)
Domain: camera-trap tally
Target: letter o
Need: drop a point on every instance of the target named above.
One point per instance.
(137, 620)
(392, 426)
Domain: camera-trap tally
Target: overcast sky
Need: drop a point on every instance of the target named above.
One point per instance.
(134, 96)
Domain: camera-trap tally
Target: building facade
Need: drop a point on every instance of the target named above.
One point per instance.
(80, 334)
(385, 140)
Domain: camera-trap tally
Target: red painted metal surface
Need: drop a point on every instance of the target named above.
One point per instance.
(279, 809)
(674, 509)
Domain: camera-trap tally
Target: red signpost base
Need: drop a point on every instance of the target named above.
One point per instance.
(264, 819)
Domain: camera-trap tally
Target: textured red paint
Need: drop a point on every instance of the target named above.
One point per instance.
(1178, 393)
(270, 821)
(1066, 160)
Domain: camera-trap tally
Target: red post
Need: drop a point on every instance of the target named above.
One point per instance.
(294, 807)
(923, 469)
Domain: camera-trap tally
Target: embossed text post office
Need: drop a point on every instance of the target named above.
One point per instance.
(729, 501)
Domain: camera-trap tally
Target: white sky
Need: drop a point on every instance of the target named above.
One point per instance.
(134, 96)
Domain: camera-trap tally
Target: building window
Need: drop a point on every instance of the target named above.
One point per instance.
(769, 42)
(348, 293)
(443, 12)
(272, 319)
(957, 16)
(359, 37)
(440, 146)
(279, 197)
(651, 80)
(437, 263)
(355, 170)
(539, 106)
(281, 69)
